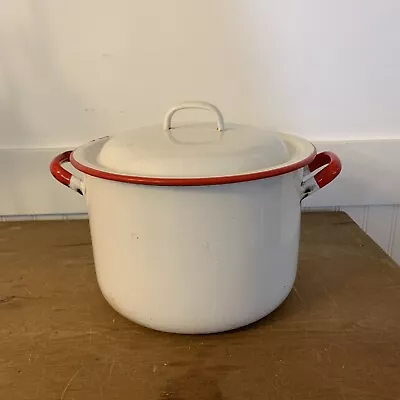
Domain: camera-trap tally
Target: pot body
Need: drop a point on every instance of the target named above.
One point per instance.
(195, 259)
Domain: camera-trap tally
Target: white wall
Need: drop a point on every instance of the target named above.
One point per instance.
(77, 69)
(72, 70)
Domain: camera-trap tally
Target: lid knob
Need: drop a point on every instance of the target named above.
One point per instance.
(202, 105)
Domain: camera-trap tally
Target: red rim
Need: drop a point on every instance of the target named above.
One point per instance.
(219, 180)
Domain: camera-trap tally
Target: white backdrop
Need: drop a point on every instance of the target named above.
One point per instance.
(73, 70)
(78, 69)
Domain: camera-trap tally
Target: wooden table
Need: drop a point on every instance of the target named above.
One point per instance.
(337, 336)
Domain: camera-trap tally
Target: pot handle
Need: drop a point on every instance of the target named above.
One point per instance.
(201, 105)
(332, 167)
(63, 176)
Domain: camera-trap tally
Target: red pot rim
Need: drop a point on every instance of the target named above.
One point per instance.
(201, 181)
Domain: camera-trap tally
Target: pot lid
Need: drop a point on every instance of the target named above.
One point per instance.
(191, 151)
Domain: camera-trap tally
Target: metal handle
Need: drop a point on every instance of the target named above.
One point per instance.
(332, 167)
(202, 105)
(63, 176)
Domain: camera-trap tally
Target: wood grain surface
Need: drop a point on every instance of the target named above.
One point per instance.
(336, 337)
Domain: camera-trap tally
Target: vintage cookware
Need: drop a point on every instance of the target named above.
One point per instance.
(195, 228)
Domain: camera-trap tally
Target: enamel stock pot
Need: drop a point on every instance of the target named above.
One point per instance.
(195, 228)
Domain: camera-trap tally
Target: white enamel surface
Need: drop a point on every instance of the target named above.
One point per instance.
(198, 105)
(156, 149)
(195, 259)
(194, 150)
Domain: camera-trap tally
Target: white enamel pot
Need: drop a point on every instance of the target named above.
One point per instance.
(195, 229)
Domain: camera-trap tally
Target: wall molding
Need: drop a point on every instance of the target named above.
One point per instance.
(369, 177)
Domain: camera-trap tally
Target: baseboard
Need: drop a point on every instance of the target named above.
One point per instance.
(369, 177)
